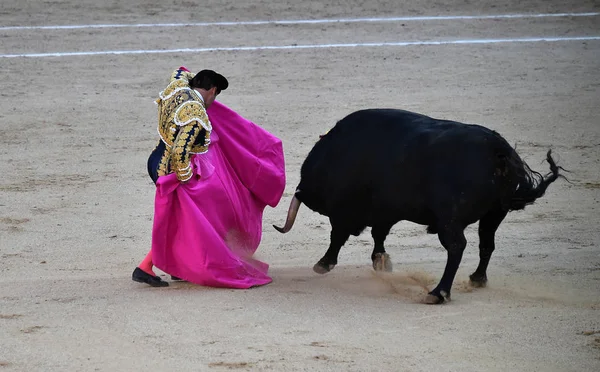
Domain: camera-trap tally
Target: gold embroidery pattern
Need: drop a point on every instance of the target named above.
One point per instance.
(174, 87)
(183, 126)
(181, 75)
(181, 109)
(190, 111)
(180, 158)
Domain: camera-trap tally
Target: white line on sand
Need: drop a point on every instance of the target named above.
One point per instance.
(307, 46)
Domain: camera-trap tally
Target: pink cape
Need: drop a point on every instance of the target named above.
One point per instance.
(206, 231)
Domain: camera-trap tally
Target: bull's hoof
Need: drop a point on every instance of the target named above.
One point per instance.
(478, 281)
(433, 299)
(321, 268)
(382, 262)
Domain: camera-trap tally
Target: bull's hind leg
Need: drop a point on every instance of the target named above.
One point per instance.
(338, 239)
(381, 260)
(453, 239)
(487, 230)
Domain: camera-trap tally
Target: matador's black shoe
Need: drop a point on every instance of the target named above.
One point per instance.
(141, 276)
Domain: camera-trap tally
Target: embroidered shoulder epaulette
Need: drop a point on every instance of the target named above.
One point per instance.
(191, 111)
(173, 88)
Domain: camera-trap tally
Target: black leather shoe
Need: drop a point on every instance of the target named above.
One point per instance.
(141, 276)
(176, 278)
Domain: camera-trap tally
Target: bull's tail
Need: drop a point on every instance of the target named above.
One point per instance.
(532, 185)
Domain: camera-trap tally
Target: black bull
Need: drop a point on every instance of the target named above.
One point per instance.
(380, 166)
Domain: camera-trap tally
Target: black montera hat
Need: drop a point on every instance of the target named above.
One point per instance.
(216, 79)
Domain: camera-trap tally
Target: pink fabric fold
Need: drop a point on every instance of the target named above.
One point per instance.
(207, 230)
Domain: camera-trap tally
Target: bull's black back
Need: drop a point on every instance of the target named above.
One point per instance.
(385, 162)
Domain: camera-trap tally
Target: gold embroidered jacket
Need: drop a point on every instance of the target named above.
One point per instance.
(183, 125)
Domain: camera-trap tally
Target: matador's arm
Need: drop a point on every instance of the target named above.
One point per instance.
(181, 73)
(193, 122)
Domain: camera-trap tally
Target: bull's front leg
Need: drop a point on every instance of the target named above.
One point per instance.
(338, 239)
(381, 260)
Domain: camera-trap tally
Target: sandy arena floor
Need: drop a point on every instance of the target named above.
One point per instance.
(76, 203)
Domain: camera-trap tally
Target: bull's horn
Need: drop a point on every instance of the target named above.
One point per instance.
(291, 217)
